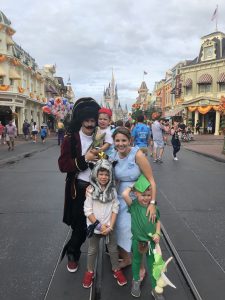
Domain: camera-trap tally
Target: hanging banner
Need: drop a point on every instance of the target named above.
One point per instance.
(192, 108)
(204, 109)
(216, 107)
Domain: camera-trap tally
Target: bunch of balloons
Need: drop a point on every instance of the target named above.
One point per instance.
(59, 107)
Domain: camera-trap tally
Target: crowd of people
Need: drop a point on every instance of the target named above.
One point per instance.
(110, 191)
(31, 131)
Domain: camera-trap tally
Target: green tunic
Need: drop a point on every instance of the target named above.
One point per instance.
(140, 224)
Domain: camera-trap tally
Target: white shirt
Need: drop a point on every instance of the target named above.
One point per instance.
(86, 141)
(101, 211)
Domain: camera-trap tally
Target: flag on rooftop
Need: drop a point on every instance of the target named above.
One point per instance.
(145, 73)
(215, 13)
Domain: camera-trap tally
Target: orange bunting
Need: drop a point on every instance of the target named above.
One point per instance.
(192, 108)
(204, 109)
(4, 87)
(21, 90)
(2, 58)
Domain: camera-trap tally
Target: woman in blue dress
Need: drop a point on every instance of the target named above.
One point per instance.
(130, 163)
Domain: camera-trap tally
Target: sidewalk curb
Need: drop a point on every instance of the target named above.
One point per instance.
(14, 159)
(219, 159)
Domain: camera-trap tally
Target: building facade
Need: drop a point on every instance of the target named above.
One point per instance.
(203, 82)
(24, 88)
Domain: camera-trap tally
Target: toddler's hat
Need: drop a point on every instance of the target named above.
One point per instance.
(142, 184)
(105, 110)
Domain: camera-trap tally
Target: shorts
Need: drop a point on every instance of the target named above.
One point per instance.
(159, 144)
(34, 132)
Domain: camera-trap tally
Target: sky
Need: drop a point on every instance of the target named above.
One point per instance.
(87, 39)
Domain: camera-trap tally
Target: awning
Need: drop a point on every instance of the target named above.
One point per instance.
(174, 112)
(205, 78)
(47, 89)
(9, 41)
(14, 75)
(53, 90)
(221, 78)
(2, 72)
(188, 82)
(50, 89)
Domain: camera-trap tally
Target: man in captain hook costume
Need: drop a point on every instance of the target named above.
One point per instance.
(73, 160)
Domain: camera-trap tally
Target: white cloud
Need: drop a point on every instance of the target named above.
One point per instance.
(87, 38)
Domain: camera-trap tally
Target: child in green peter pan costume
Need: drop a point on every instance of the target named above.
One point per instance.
(145, 234)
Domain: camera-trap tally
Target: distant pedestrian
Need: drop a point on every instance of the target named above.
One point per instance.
(43, 134)
(26, 129)
(34, 132)
(157, 133)
(2, 130)
(209, 126)
(61, 132)
(197, 127)
(101, 208)
(141, 135)
(10, 135)
(175, 139)
(128, 125)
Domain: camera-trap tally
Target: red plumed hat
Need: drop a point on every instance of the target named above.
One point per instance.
(105, 110)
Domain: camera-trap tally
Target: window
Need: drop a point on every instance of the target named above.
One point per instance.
(11, 81)
(1, 80)
(188, 90)
(222, 87)
(204, 88)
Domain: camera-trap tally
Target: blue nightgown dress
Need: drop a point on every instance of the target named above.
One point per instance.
(126, 173)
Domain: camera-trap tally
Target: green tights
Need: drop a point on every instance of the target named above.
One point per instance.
(137, 259)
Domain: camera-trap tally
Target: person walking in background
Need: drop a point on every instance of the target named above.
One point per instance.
(128, 125)
(74, 160)
(26, 129)
(101, 208)
(43, 134)
(197, 127)
(141, 135)
(144, 233)
(2, 130)
(61, 132)
(10, 135)
(209, 126)
(175, 141)
(34, 132)
(157, 133)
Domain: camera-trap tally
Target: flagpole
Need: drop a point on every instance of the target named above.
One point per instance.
(217, 17)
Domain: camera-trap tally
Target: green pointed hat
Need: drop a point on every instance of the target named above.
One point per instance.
(142, 184)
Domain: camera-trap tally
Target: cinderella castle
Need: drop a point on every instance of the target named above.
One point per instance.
(111, 100)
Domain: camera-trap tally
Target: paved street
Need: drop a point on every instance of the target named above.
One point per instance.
(191, 196)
